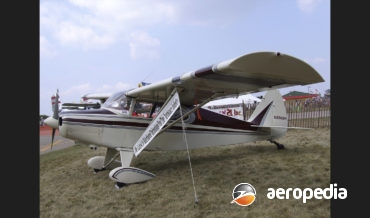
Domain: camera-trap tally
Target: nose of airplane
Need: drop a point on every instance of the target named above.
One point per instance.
(53, 123)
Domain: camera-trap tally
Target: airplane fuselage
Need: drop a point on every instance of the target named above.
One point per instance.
(102, 127)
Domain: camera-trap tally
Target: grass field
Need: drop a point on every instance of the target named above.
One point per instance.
(69, 188)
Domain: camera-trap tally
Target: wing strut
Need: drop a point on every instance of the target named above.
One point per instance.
(187, 149)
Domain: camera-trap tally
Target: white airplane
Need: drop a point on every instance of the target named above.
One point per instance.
(99, 98)
(102, 97)
(148, 117)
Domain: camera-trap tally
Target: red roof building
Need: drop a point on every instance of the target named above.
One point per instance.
(298, 95)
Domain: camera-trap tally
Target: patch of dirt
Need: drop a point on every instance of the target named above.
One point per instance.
(47, 130)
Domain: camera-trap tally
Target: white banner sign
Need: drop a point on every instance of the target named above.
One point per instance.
(157, 124)
(231, 110)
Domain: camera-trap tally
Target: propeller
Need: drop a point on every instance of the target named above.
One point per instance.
(52, 121)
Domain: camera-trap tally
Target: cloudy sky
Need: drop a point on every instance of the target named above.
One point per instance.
(106, 46)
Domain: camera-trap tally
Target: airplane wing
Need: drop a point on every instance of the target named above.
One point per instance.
(80, 105)
(97, 96)
(249, 73)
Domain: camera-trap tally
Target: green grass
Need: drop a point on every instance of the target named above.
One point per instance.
(69, 188)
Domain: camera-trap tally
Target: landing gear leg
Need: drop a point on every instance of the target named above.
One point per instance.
(278, 145)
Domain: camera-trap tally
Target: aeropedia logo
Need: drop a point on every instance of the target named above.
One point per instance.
(308, 193)
(244, 194)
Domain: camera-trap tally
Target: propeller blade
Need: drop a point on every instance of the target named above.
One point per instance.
(52, 139)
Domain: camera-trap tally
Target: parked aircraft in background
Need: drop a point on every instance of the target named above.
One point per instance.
(86, 103)
(157, 116)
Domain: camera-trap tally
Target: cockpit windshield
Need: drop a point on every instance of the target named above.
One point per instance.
(121, 103)
(118, 101)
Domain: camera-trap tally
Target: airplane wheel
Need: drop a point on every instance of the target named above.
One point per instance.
(119, 185)
(97, 170)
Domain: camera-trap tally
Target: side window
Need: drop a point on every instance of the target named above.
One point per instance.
(125, 103)
(142, 109)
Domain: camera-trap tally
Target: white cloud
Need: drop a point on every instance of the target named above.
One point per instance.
(307, 6)
(138, 12)
(77, 90)
(46, 48)
(318, 60)
(96, 24)
(142, 45)
(119, 86)
(210, 12)
(74, 93)
(315, 60)
(69, 33)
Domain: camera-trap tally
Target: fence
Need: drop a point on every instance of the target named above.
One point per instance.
(307, 113)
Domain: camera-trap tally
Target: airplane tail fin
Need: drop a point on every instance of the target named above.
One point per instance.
(270, 114)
